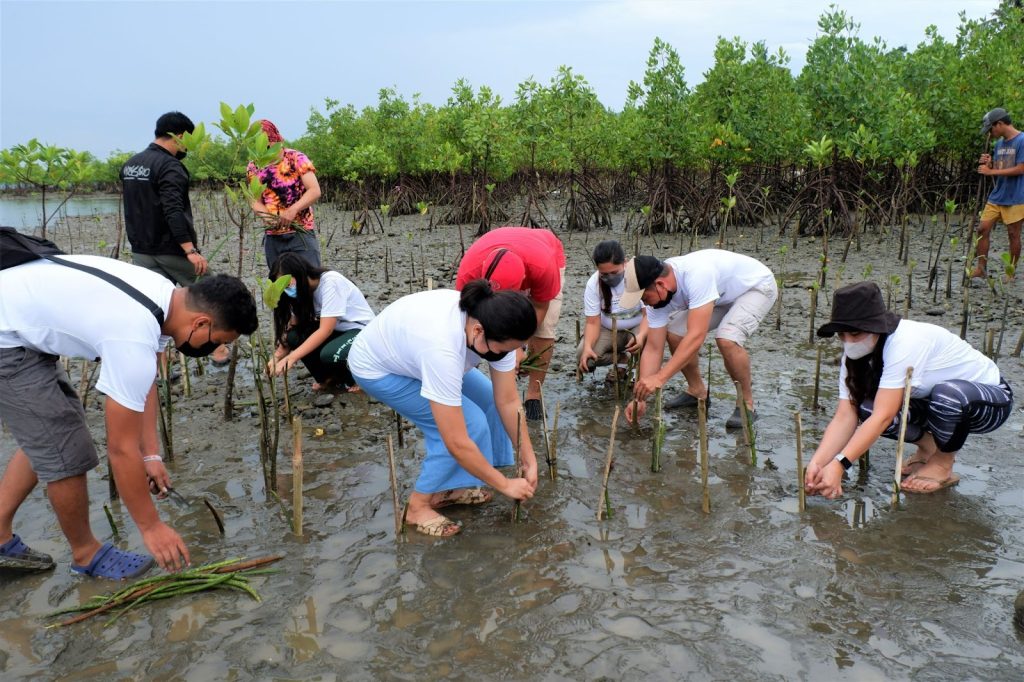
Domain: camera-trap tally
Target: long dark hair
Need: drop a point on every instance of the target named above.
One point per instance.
(864, 374)
(301, 306)
(608, 251)
(503, 314)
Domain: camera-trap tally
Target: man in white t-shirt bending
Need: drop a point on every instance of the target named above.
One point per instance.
(686, 297)
(49, 309)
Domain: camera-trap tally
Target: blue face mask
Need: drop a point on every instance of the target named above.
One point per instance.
(291, 291)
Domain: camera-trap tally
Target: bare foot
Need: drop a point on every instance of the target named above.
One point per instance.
(929, 478)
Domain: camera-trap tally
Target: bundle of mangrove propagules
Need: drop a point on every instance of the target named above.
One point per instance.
(230, 574)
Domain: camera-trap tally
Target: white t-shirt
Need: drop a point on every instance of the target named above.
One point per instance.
(421, 336)
(710, 275)
(936, 355)
(593, 304)
(336, 296)
(55, 309)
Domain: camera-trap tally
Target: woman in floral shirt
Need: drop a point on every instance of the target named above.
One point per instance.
(291, 190)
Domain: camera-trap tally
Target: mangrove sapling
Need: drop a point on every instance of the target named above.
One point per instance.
(965, 288)
(909, 302)
(1009, 270)
(898, 475)
(393, 477)
(702, 430)
(297, 475)
(232, 573)
(801, 497)
(398, 429)
(110, 520)
(658, 438)
(604, 505)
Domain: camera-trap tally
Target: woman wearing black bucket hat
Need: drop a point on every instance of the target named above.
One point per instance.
(955, 390)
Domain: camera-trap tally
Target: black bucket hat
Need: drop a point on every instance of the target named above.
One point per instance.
(859, 308)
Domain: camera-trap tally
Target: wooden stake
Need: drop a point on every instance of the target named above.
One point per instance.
(801, 496)
(603, 502)
(1020, 345)
(897, 479)
(553, 463)
(817, 380)
(430, 283)
(659, 432)
(186, 380)
(517, 505)
(615, 357)
(297, 475)
(393, 475)
(748, 424)
(702, 427)
(398, 429)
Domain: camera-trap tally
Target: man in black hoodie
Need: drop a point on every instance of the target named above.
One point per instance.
(157, 211)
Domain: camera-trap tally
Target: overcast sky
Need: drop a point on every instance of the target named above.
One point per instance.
(95, 75)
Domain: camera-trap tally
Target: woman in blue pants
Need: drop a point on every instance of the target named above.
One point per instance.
(419, 357)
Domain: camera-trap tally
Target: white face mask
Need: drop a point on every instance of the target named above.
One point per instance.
(855, 350)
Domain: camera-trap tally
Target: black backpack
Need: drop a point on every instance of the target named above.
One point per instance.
(17, 249)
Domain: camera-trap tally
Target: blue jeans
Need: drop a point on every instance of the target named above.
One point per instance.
(440, 470)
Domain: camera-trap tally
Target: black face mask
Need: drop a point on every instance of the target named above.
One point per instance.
(612, 280)
(200, 352)
(662, 304)
(180, 156)
(490, 355)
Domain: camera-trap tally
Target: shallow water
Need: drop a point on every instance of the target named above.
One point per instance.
(755, 590)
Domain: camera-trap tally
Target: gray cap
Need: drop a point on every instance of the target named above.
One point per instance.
(991, 118)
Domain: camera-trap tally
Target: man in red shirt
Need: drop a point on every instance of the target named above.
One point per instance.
(531, 261)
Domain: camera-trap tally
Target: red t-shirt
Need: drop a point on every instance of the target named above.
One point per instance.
(540, 251)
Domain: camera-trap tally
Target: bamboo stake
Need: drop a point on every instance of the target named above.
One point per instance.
(579, 372)
(297, 474)
(517, 505)
(615, 357)
(748, 425)
(544, 428)
(1020, 345)
(702, 426)
(553, 463)
(398, 429)
(186, 380)
(817, 380)
(603, 503)
(659, 433)
(110, 520)
(393, 475)
(897, 479)
(801, 495)
(430, 283)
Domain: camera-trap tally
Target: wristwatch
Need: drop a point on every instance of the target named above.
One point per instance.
(841, 458)
(193, 250)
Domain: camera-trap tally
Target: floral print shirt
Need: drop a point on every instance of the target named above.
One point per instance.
(283, 181)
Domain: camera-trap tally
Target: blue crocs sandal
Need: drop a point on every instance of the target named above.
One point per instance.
(115, 564)
(17, 555)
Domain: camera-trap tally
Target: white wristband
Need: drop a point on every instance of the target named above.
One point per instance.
(152, 458)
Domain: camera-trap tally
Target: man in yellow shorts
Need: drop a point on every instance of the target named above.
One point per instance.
(1006, 202)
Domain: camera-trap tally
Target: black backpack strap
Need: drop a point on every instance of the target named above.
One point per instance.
(494, 263)
(146, 301)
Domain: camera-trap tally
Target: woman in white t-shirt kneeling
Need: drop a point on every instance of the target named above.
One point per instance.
(600, 306)
(419, 357)
(316, 321)
(955, 391)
